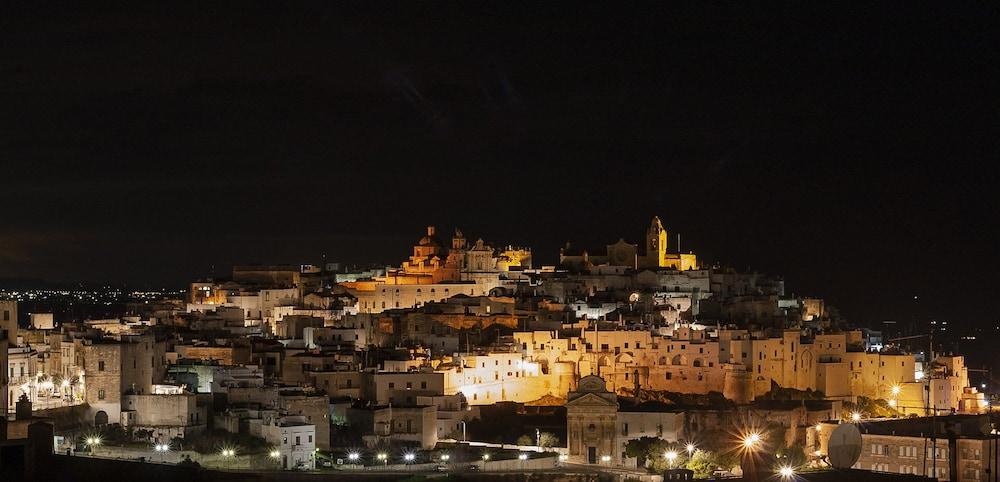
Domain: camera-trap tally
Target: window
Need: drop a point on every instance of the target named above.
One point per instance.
(669, 376)
(392, 385)
(310, 439)
(100, 394)
(409, 385)
(298, 440)
(100, 366)
(423, 385)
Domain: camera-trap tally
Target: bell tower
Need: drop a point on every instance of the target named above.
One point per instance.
(656, 242)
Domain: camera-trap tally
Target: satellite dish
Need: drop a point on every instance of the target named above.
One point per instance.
(845, 446)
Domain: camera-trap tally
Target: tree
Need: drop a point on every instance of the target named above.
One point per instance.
(525, 440)
(547, 439)
(644, 448)
(702, 463)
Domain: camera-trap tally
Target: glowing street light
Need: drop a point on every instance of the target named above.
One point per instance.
(855, 416)
(671, 457)
(275, 454)
(605, 458)
(353, 456)
(162, 449)
(445, 457)
(690, 448)
(563, 457)
(786, 472)
(892, 403)
(896, 389)
(522, 457)
(409, 457)
(92, 443)
(751, 440)
(383, 457)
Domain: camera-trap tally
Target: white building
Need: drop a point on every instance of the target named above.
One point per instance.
(294, 442)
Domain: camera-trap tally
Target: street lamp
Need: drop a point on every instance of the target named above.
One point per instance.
(751, 440)
(896, 389)
(786, 472)
(855, 416)
(409, 457)
(671, 457)
(690, 448)
(92, 443)
(605, 458)
(162, 449)
(445, 457)
(383, 457)
(522, 457)
(353, 456)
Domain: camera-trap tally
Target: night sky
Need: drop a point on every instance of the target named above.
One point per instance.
(852, 151)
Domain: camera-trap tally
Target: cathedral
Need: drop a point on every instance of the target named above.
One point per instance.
(622, 253)
(429, 262)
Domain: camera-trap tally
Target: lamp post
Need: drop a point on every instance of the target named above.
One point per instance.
(750, 444)
(786, 472)
(92, 443)
(383, 457)
(276, 457)
(671, 456)
(162, 449)
(464, 438)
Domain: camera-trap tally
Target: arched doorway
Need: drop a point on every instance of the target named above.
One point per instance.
(101, 419)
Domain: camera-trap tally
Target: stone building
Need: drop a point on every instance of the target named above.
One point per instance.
(622, 253)
(8, 320)
(113, 368)
(960, 451)
(591, 423)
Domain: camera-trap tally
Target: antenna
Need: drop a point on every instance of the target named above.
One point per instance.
(844, 447)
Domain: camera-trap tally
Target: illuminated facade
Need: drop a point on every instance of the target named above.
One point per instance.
(432, 274)
(622, 253)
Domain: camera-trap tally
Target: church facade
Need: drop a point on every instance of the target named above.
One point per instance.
(591, 421)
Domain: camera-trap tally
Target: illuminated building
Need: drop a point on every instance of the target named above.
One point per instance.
(430, 274)
(622, 253)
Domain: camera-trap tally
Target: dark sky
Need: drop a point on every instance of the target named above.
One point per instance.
(852, 151)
